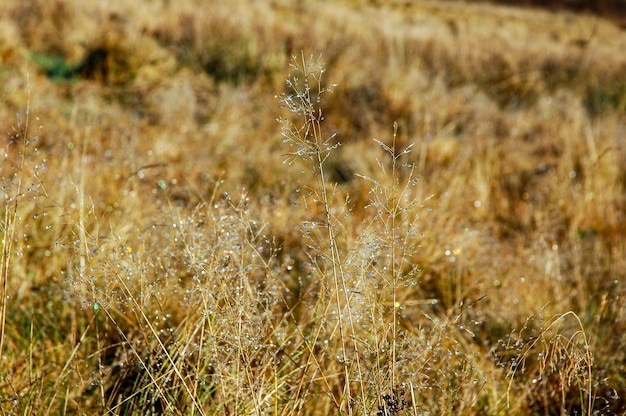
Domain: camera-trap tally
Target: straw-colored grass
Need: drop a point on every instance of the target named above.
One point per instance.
(433, 226)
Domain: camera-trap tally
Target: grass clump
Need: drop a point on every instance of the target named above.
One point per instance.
(165, 250)
(390, 360)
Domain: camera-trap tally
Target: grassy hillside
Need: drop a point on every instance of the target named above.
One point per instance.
(311, 207)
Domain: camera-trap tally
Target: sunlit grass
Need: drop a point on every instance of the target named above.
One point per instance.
(438, 230)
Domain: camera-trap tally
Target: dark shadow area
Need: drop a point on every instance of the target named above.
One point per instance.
(614, 10)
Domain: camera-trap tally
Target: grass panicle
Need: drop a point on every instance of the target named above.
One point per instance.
(439, 232)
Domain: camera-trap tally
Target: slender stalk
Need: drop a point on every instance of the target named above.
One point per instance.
(313, 148)
(393, 257)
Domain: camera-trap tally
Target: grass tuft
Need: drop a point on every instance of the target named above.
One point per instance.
(439, 232)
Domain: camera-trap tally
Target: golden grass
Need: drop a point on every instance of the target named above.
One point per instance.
(163, 254)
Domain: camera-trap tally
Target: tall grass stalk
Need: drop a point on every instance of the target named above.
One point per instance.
(394, 210)
(387, 240)
(314, 148)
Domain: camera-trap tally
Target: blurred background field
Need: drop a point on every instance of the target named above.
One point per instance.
(157, 252)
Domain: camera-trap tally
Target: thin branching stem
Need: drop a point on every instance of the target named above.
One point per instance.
(314, 149)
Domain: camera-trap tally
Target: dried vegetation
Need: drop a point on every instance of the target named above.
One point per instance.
(169, 248)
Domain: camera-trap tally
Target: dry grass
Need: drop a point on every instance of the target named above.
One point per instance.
(165, 250)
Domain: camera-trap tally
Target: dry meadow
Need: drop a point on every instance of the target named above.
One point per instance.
(287, 207)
